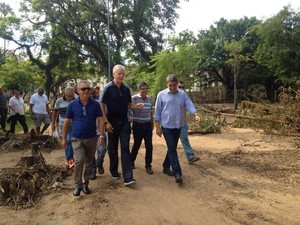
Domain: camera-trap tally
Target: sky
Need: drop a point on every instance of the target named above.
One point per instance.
(198, 15)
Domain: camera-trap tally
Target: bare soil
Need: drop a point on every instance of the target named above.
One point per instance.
(243, 177)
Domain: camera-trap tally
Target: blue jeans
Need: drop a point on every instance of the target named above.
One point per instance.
(101, 151)
(69, 148)
(121, 131)
(185, 142)
(142, 131)
(172, 136)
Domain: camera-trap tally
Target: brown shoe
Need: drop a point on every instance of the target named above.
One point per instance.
(149, 170)
(194, 159)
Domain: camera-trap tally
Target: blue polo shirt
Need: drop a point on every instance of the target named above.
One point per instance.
(116, 100)
(83, 118)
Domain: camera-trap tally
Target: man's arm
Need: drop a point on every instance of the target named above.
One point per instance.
(53, 119)
(30, 111)
(66, 127)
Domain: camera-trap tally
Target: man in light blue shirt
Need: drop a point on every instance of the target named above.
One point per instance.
(170, 108)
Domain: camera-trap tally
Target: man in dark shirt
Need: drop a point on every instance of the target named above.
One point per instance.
(3, 108)
(115, 100)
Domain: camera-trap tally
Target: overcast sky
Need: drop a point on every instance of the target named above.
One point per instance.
(196, 15)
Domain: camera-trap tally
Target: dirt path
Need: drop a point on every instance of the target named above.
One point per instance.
(243, 178)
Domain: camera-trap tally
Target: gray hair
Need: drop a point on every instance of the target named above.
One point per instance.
(69, 89)
(83, 82)
(117, 67)
(171, 78)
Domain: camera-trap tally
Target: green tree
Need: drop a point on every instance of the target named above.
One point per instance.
(19, 75)
(109, 29)
(279, 49)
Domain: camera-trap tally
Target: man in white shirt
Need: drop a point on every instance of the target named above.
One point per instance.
(39, 110)
(17, 111)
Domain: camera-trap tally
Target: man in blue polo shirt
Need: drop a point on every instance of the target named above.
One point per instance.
(115, 101)
(83, 113)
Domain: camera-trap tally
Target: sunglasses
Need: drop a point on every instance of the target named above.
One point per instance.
(85, 89)
(181, 87)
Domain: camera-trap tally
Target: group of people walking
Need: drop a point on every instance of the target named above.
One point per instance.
(90, 122)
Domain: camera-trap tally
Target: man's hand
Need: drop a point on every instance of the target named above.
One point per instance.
(158, 131)
(64, 143)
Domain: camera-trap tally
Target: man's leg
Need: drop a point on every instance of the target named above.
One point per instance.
(22, 120)
(185, 142)
(172, 136)
(137, 137)
(148, 145)
(113, 140)
(3, 115)
(125, 153)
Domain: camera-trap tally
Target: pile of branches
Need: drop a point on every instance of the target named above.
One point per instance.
(24, 185)
(21, 142)
(282, 118)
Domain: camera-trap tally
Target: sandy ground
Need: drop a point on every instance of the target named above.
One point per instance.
(243, 177)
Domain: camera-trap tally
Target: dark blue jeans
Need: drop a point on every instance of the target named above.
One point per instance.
(172, 136)
(142, 131)
(121, 131)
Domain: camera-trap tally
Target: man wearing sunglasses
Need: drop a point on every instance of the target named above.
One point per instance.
(190, 155)
(83, 113)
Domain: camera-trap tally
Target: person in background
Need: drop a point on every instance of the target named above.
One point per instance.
(97, 92)
(170, 108)
(115, 101)
(83, 113)
(142, 126)
(59, 112)
(17, 107)
(101, 149)
(3, 108)
(190, 155)
(39, 110)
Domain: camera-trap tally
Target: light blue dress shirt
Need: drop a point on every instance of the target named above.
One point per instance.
(170, 108)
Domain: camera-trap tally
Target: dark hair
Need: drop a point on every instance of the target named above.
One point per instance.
(172, 78)
(140, 84)
(180, 82)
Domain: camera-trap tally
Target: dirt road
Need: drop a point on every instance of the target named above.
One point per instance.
(243, 177)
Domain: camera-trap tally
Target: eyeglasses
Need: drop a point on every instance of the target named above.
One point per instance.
(84, 111)
(181, 87)
(85, 89)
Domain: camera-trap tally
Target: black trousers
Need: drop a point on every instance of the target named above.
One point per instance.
(142, 131)
(22, 121)
(3, 116)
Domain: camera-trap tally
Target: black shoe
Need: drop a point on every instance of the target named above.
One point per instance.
(100, 169)
(115, 176)
(93, 175)
(86, 190)
(178, 179)
(129, 182)
(77, 191)
(168, 172)
(149, 170)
